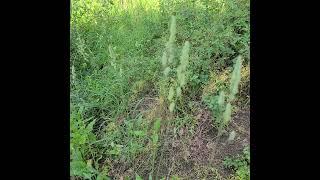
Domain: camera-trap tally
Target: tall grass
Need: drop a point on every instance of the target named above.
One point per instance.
(116, 54)
(178, 80)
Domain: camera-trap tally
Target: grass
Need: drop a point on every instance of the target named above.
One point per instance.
(121, 124)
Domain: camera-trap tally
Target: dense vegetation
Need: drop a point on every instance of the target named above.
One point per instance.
(142, 72)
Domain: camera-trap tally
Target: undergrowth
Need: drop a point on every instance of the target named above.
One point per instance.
(121, 119)
(240, 164)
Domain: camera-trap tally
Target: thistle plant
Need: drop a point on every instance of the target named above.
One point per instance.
(175, 83)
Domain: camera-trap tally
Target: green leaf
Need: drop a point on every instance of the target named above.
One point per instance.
(138, 177)
(175, 178)
(102, 177)
(139, 133)
(80, 168)
(156, 126)
(90, 125)
(113, 152)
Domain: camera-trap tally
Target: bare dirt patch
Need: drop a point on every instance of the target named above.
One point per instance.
(198, 155)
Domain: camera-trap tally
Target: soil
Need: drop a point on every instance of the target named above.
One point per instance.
(192, 156)
(199, 154)
(241, 125)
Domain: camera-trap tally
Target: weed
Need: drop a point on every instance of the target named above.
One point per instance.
(221, 107)
(240, 164)
(178, 81)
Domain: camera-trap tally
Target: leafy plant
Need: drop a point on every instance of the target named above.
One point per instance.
(81, 135)
(240, 164)
(138, 177)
